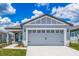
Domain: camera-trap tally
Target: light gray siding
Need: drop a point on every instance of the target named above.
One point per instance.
(46, 22)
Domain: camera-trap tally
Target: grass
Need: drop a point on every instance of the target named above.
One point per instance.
(74, 46)
(12, 52)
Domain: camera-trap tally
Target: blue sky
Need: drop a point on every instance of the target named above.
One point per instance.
(24, 10)
(16, 13)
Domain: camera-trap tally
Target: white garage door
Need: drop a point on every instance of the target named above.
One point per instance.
(46, 37)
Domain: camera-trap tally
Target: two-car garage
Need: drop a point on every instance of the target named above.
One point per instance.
(45, 37)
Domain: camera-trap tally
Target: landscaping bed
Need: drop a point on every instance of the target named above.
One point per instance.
(4, 45)
(12, 52)
(74, 46)
(20, 44)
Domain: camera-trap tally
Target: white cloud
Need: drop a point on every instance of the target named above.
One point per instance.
(5, 20)
(70, 11)
(36, 14)
(6, 8)
(43, 5)
(0, 17)
(53, 10)
(14, 23)
(24, 20)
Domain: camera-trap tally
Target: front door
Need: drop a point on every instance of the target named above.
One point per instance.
(16, 37)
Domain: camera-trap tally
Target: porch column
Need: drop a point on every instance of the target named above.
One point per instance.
(2, 37)
(19, 36)
(14, 39)
(7, 39)
(65, 37)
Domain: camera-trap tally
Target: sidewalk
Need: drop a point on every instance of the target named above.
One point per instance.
(13, 47)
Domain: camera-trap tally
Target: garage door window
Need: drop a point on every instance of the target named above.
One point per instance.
(57, 31)
(48, 31)
(30, 31)
(38, 31)
(61, 31)
(43, 31)
(52, 31)
(34, 31)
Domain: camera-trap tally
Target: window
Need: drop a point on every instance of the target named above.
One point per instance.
(30, 31)
(38, 31)
(48, 31)
(72, 34)
(57, 31)
(52, 31)
(34, 31)
(76, 33)
(61, 31)
(43, 31)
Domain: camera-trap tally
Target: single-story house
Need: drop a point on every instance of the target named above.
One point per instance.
(44, 30)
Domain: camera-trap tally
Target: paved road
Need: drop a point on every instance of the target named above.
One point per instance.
(51, 51)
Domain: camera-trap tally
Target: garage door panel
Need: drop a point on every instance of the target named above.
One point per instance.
(45, 38)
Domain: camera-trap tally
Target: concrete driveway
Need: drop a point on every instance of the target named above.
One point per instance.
(51, 51)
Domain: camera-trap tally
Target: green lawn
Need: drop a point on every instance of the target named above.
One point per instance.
(74, 46)
(12, 52)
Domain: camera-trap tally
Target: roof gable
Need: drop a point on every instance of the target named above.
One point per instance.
(56, 19)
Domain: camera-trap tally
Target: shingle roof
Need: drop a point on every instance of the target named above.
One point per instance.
(49, 16)
(75, 28)
(14, 27)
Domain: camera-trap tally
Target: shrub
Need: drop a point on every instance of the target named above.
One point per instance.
(1, 46)
(20, 44)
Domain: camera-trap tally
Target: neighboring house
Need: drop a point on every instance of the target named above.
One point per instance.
(6, 36)
(46, 30)
(74, 34)
(17, 33)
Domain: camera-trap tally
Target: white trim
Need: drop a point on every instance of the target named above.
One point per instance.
(45, 24)
(65, 33)
(7, 39)
(19, 36)
(45, 28)
(65, 37)
(26, 37)
(14, 30)
(14, 38)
